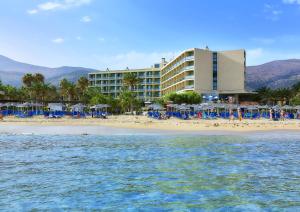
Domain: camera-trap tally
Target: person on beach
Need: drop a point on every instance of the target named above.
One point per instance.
(240, 114)
(271, 114)
(231, 117)
(1, 116)
(282, 115)
(199, 115)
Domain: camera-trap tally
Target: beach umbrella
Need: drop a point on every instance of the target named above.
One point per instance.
(220, 106)
(100, 106)
(37, 104)
(276, 107)
(56, 106)
(263, 107)
(24, 105)
(251, 107)
(183, 107)
(155, 107)
(287, 107)
(10, 104)
(297, 107)
(78, 107)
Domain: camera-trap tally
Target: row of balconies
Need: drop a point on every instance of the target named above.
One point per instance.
(180, 88)
(121, 84)
(135, 90)
(177, 81)
(176, 73)
(176, 64)
(97, 76)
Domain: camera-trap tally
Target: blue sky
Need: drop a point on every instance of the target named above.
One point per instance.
(137, 33)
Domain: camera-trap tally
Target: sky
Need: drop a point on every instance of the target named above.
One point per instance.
(115, 34)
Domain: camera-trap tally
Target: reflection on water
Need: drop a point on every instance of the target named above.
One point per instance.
(149, 173)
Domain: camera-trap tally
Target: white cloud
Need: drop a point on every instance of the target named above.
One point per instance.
(86, 19)
(49, 6)
(291, 1)
(265, 41)
(255, 56)
(58, 40)
(255, 53)
(276, 12)
(283, 39)
(101, 39)
(131, 59)
(259, 56)
(31, 12)
(60, 5)
(271, 12)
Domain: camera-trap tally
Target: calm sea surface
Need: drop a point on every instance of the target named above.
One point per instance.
(150, 173)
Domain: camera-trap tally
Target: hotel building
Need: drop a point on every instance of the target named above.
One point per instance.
(111, 83)
(210, 73)
(205, 72)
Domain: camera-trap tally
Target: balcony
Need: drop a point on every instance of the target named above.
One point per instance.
(189, 58)
(189, 68)
(189, 87)
(175, 65)
(190, 77)
(153, 76)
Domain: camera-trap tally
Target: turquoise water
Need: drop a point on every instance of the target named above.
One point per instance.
(150, 173)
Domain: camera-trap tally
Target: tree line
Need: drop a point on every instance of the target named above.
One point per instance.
(35, 89)
(290, 96)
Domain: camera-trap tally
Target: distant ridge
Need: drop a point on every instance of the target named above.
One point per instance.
(275, 74)
(11, 72)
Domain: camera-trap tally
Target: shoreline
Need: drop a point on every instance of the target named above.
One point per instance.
(142, 124)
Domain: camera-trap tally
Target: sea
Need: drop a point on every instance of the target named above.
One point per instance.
(150, 172)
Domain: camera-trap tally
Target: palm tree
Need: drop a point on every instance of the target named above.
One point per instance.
(82, 85)
(64, 86)
(51, 93)
(128, 101)
(264, 94)
(39, 78)
(2, 93)
(283, 95)
(67, 89)
(28, 80)
(42, 92)
(296, 89)
(131, 80)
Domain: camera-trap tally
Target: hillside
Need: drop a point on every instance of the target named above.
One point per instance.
(11, 72)
(275, 74)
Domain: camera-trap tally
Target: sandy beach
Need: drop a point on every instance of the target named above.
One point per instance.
(145, 123)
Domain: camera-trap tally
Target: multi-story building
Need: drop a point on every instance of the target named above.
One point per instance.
(210, 73)
(111, 81)
(205, 72)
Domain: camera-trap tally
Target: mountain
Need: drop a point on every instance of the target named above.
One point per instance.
(11, 72)
(275, 74)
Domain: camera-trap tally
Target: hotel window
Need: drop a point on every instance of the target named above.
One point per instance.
(215, 70)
